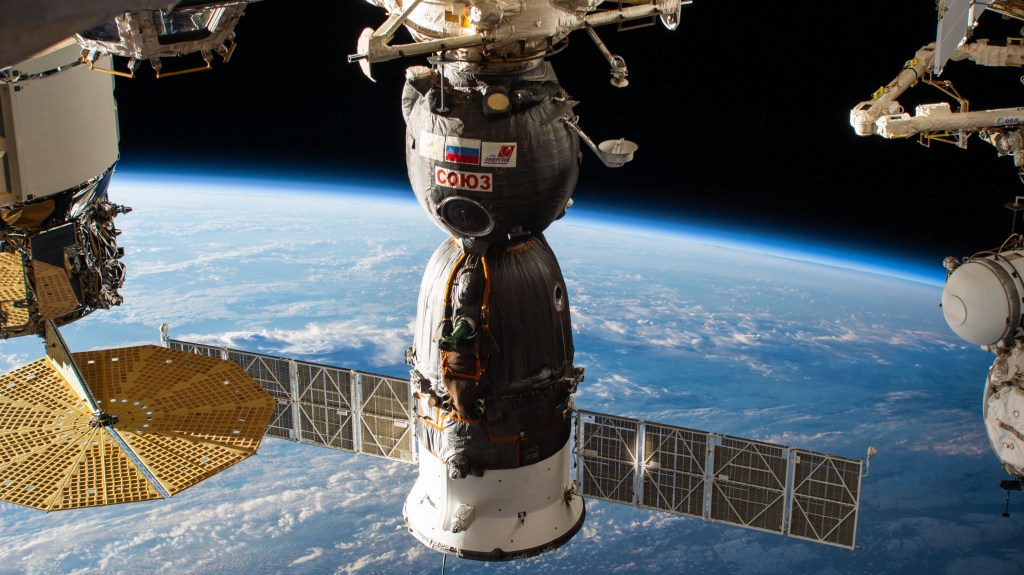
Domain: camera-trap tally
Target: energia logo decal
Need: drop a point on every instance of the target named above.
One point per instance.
(502, 154)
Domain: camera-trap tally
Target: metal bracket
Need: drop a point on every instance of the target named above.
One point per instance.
(207, 57)
(618, 63)
(613, 153)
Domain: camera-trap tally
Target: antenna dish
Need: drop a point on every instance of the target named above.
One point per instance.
(615, 153)
(671, 19)
(363, 52)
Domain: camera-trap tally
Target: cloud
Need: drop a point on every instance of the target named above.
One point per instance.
(313, 554)
(253, 517)
(616, 386)
(386, 345)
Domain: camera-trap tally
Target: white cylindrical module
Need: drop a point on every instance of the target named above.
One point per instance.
(1004, 409)
(982, 298)
(939, 118)
(59, 125)
(503, 514)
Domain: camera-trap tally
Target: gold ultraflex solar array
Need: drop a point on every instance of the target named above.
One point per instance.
(122, 425)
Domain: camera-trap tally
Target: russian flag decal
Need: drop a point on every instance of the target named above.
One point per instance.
(462, 151)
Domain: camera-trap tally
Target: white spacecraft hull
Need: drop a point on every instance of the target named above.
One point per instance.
(504, 514)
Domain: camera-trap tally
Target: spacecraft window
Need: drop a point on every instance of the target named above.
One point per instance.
(187, 26)
(106, 32)
(559, 297)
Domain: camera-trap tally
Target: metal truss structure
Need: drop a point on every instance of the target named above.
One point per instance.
(710, 476)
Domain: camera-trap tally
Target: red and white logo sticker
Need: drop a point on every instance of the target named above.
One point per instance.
(463, 180)
(501, 154)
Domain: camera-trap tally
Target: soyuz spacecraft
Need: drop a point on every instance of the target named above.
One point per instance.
(493, 150)
(983, 295)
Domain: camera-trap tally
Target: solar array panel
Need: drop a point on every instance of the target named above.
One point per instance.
(751, 484)
(196, 348)
(328, 406)
(608, 446)
(273, 375)
(675, 469)
(826, 497)
(325, 406)
(747, 483)
(385, 418)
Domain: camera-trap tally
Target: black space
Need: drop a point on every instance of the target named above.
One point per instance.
(741, 116)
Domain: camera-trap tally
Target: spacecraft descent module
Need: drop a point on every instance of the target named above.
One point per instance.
(492, 354)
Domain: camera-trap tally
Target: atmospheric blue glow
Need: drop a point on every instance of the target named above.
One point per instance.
(270, 183)
(775, 244)
(679, 226)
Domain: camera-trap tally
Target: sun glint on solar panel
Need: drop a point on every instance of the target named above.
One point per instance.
(607, 451)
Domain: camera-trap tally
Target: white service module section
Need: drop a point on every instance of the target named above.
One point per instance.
(63, 127)
(982, 298)
(1004, 409)
(512, 510)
